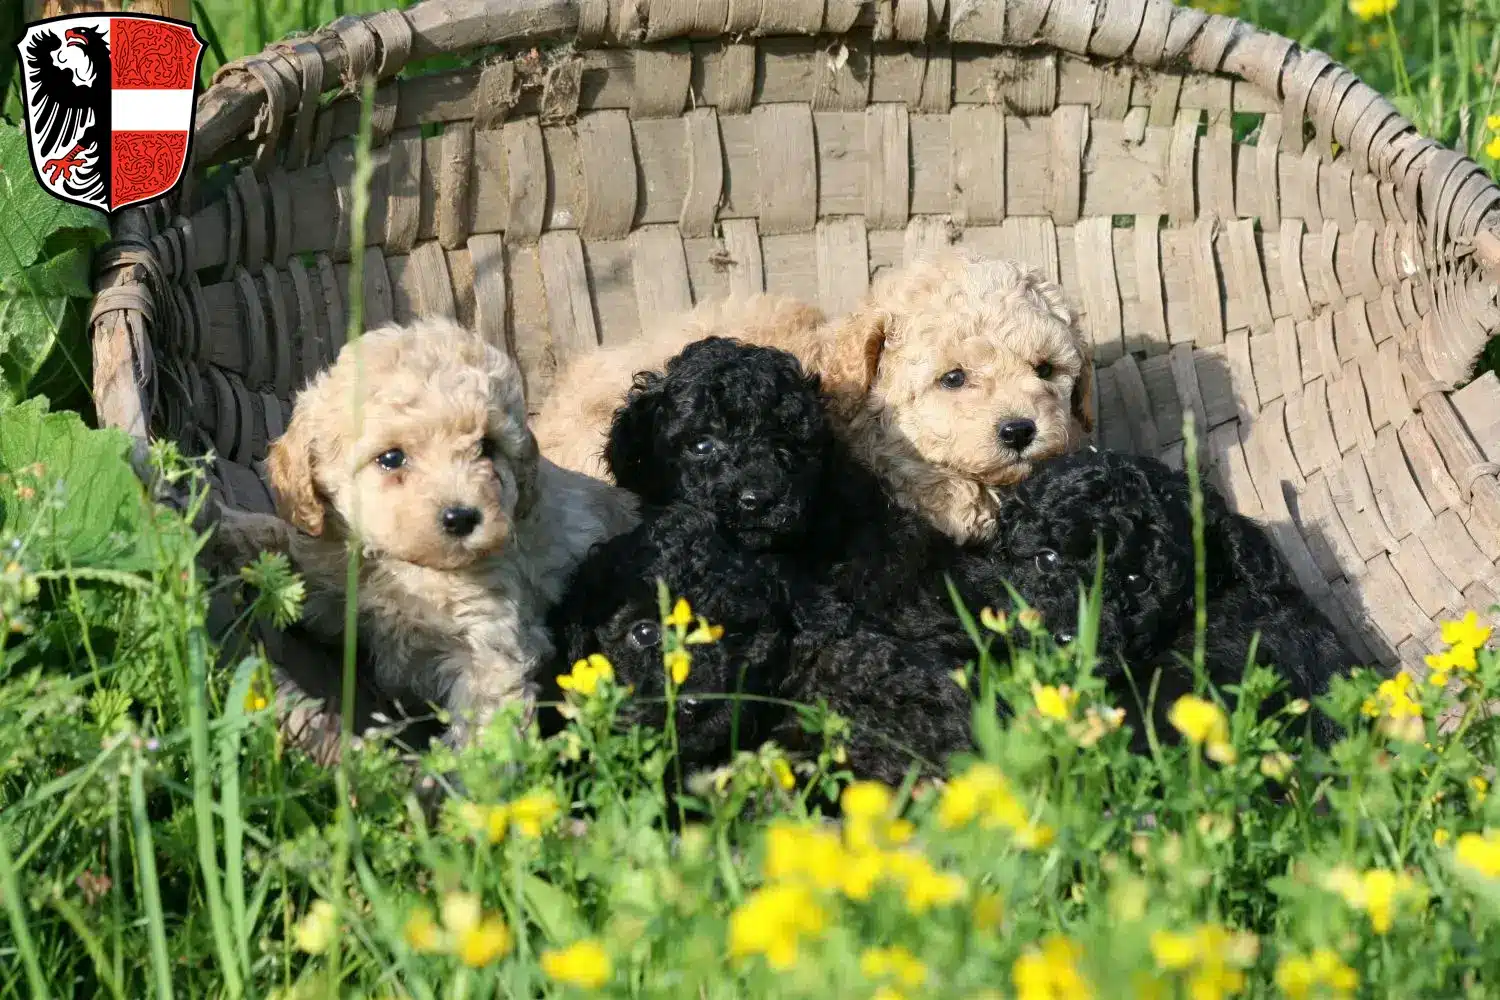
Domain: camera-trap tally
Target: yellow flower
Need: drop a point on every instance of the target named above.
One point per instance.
(1050, 972)
(461, 911)
(489, 821)
(422, 932)
(893, 963)
(484, 942)
(864, 801)
(1204, 724)
(681, 616)
(1480, 852)
(533, 812)
(782, 772)
(1097, 723)
(1298, 975)
(1481, 788)
(1375, 892)
(1030, 619)
(314, 931)
(1492, 148)
(704, 633)
(1400, 714)
(1054, 702)
(587, 674)
(1369, 10)
(995, 621)
(983, 793)
(1441, 837)
(772, 920)
(584, 963)
(1173, 951)
(255, 701)
(1492, 123)
(678, 662)
(1276, 766)
(1466, 632)
(924, 886)
(860, 873)
(886, 993)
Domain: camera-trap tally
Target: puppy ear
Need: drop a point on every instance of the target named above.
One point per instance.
(528, 469)
(289, 464)
(1083, 393)
(853, 358)
(632, 437)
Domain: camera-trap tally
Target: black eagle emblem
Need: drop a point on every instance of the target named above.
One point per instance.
(69, 110)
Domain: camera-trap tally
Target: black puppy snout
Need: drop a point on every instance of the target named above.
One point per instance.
(460, 521)
(1018, 434)
(751, 501)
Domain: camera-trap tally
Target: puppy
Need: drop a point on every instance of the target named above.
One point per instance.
(782, 643)
(1051, 527)
(951, 379)
(414, 446)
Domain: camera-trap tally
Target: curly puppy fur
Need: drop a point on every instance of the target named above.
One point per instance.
(743, 433)
(781, 641)
(1138, 510)
(951, 379)
(415, 444)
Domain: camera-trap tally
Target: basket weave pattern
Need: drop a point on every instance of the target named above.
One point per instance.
(1311, 306)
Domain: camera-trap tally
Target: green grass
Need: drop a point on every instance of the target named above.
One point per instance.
(158, 838)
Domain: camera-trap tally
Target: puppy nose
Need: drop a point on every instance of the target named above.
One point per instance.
(753, 500)
(1064, 637)
(460, 521)
(1018, 433)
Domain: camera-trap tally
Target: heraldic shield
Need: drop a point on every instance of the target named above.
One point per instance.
(109, 102)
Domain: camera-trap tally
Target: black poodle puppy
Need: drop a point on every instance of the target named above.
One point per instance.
(782, 645)
(741, 432)
(1052, 526)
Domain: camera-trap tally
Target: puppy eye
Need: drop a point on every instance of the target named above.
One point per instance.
(703, 446)
(1047, 561)
(645, 634)
(1044, 370)
(488, 449)
(391, 460)
(954, 379)
(1137, 584)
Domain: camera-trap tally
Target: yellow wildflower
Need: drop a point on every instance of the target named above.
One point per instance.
(1466, 632)
(1298, 975)
(704, 633)
(864, 801)
(782, 772)
(483, 943)
(1480, 852)
(1369, 10)
(422, 932)
(1492, 122)
(861, 872)
(533, 812)
(1400, 714)
(314, 931)
(678, 663)
(461, 911)
(812, 853)
(681, 616)
(893, 963)
(1276, 766)
(1030, 619)
(927, 887)
(1204, 724)
(1492, 148)
(1172, 950)
(1375, 892)
(772, 921)
(988, 911)
(886, 993)
(983, 793)
(1097, 723)
(1441, 837)
(1054, 702)
(587, 674)
(255, 701)
(1481, 789)
(1050, 972)
(583, 963)
(995, 621)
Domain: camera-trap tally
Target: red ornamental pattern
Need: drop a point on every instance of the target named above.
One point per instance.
(151, 55)
(146, 164)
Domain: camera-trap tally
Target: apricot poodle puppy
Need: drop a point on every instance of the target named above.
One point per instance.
(414, 445)
(955, 375)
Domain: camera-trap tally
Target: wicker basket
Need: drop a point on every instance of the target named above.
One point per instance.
(1311, 292)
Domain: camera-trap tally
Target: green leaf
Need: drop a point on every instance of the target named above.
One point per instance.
(552, 910)
(65, 274)
(32, 214)
(70, 492)
(29, 329)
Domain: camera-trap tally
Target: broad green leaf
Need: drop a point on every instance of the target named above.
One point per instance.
(29, 329)
(65, 274)
(553, 911)
(31, 214)
(70, 492)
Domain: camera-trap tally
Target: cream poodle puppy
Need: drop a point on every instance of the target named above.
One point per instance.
(951, 379)
(414, 445)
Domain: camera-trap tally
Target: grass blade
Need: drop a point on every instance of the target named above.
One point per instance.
(234, 824)
(145, 855)
(75, 920)
(10, 888)
(203, 809)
